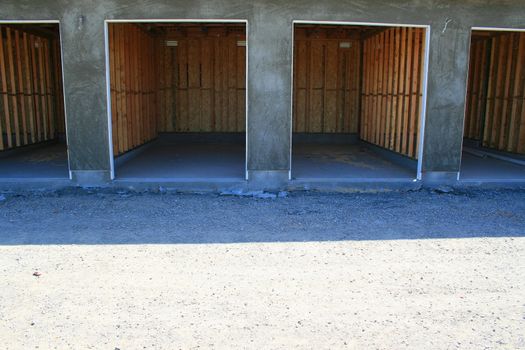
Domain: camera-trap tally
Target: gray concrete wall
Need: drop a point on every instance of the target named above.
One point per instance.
(270, 57)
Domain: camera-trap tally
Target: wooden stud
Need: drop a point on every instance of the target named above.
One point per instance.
(5, 98)
(20, 93)
(28, 87)
(12, 92)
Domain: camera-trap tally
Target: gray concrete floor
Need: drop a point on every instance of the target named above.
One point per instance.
(488, 168)
(39, 161)
(186, 160)
(320, 161)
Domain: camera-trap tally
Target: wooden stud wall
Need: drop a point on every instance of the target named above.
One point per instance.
(31, 98)
(134, 86)
(498, 115)
(202, 79)
(477, 88)
(393, 66)
(326, 80)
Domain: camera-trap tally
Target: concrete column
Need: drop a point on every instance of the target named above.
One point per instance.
(447, 80)
(85, 92)
(269, 98)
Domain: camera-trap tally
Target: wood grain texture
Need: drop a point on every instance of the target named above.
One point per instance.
(31, 105)
(391, 98)
(495, 111)
(326, 80)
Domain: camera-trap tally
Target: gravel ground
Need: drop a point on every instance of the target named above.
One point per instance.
(418, 270)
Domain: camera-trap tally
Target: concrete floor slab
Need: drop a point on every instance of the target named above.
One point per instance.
(329, 161)
(42, 161)
(186, 161)
(478, 168)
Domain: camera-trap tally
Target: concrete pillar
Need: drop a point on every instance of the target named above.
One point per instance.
(85, 92)
(447, 80)
(269, 98)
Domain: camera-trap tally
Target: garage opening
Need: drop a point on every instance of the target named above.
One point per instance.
(178, 99)
(494, 131)
(357, 101)
(32, 119)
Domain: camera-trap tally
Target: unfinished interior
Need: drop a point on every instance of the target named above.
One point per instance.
(178, 99)
(32, 119)
(494, 133)
(357, 101)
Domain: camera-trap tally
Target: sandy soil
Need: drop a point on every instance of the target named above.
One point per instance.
(103, 284)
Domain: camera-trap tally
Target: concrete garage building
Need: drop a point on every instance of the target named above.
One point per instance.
(262, 95)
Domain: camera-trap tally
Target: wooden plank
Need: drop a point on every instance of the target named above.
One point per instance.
(316, 77)
(355, 91)
(241, 88)
(408, 90)
(3, 92)
(509, 79)
(517, 101)
(20, 92)
(475, 68)
(206, 85)
(232, 84)
(389, 87)
(395, 89)
(182, 91)
(120, 104)
(50, 94)
(28, 88)
(401, 131)
(385, 91)
(113, 89)
(330, 87)
(500, 81)
(12, 89)
(489, 111)
(412, 139)
(383, 78)
(129, 87)
(421, 72)
(373, 89)
(42, 89)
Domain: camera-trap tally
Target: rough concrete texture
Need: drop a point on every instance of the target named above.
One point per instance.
(269, 71)
(418, 270)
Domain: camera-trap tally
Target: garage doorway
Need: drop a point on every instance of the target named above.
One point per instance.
(178, 99)
(32, 115)
(359, 95)
(494, 129)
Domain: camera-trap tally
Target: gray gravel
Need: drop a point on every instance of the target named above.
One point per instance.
(416, 270)
(92, 217)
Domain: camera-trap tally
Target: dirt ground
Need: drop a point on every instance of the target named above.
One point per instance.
(416, 270)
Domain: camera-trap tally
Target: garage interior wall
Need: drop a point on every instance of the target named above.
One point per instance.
(360, 80)
(182, 78)
(393, 68)
(327, 80)
(495, 111)
(31, 103)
